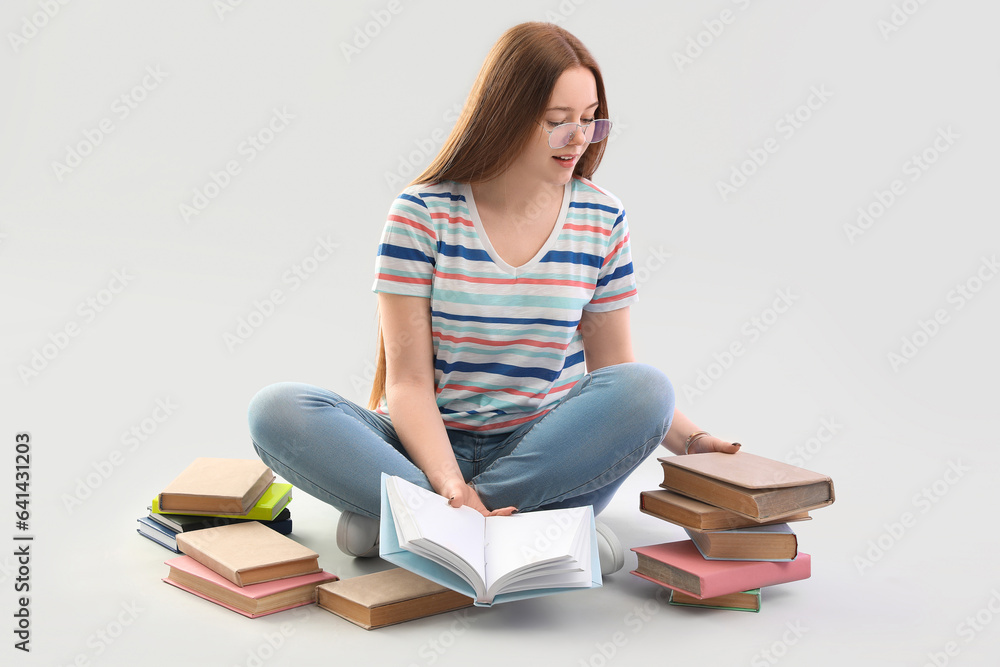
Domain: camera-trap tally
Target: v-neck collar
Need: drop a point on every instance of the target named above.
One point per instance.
(484, 238)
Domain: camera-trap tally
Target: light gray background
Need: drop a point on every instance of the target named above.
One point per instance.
(819, 380)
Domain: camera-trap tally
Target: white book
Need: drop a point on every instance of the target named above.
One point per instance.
(490, 559)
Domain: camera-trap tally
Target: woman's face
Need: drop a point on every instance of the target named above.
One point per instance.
(573, 100)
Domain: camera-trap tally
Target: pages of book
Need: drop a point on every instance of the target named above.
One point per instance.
(535, 545)
(535, 553)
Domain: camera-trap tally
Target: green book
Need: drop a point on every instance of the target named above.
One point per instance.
(744, 601)
(277, 496)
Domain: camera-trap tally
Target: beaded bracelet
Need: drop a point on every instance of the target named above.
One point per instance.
(693, 438)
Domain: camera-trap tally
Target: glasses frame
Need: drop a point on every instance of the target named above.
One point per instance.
(583, 127)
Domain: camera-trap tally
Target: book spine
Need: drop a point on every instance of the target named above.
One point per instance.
(674, 515)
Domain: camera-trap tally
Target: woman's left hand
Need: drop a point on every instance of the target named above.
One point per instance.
(710, 443)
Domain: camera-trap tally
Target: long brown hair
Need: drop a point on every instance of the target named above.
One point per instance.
(500, 116)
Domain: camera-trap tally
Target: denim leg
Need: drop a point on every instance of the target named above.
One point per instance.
(581, 451)
(327, 446)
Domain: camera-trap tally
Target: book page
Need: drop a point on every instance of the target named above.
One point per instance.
(426, 521)
(535, 544)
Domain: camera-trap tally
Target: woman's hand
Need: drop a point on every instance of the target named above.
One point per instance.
(459, 493)
(710, 443)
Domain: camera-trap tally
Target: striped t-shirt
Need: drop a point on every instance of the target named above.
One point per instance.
(507, 343)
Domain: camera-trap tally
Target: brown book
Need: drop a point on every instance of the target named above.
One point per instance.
(387, 597)
(770, 542)
(222, 486)
(696, 515)
(248, 553)
(755, 486)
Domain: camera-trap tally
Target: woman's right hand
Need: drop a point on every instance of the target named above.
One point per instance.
(459, 493)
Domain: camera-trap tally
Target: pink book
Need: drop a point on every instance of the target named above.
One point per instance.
(252, 600)
(679, 565)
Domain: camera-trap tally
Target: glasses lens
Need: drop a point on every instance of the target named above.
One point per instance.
(598, 130)
(562, 135)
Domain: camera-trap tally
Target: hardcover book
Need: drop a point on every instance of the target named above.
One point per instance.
(182, 523)
(253, 600)
(275, 498)
(220, 486)
(772, 542)
(679, 566)
(388, 597)
(754, 486)
(744, 601)
(490, 559)
(248, 553)
(160, 534)
(696, 515)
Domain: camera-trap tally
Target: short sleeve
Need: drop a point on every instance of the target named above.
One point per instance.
(407, 250)
(616, 286)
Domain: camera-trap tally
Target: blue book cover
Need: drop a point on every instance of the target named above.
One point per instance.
(158, 533)
(519, 582)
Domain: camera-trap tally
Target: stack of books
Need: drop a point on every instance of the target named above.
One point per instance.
(229, 520)
(735, 509)
(247, 568)
(215, 492)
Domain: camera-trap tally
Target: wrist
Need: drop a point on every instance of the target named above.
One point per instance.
(693, 438)
(442, 479)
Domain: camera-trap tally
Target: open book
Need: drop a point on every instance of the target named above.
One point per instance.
(490, 559)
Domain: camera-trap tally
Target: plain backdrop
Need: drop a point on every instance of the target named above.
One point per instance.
(191, 194)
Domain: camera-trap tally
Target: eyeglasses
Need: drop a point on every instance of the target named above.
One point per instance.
(594, 131)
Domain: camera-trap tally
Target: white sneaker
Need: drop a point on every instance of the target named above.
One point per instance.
(357, 535)
(609, 550)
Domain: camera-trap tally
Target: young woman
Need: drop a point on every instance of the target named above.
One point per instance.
(506, 378)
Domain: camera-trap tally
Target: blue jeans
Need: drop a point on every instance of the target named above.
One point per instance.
(576, 454)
